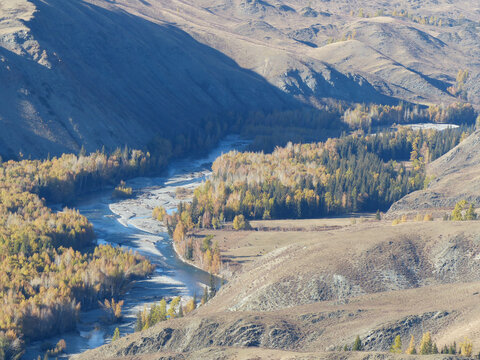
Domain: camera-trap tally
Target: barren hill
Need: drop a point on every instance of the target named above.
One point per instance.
(316, 294)
(455, 177)
(100, 72)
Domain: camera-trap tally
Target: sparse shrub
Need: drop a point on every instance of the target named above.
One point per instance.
(58, 349)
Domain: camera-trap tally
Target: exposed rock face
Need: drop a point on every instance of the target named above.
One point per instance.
(456, 177)
(99, 72)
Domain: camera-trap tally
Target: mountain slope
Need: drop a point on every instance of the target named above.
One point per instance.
(78, 74)
(456, 177)
(99, 72)
(327, 287)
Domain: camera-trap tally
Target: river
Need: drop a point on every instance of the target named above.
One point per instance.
(129, 224)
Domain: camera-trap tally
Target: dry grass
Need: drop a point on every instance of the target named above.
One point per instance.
(379, 281)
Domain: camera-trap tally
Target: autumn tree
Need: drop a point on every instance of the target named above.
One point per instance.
(116, 334)
(471, 213)
(240, 223)
(411, 350)
(466, 347)
(179, 233)
(397, 345)
(426, 345)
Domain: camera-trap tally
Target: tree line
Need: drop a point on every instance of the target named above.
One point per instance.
(426, 347)
(348, 174)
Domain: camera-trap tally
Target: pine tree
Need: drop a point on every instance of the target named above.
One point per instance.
(180, 311)
(213, 289)
(471, 214)
(116, 334)
(453, 349)
(82, 152)
(411, 347)
(357, 345)
(139, 323)
(378, 216)
(426, 344)
(205, 296)
(435, 349)
(163, 310)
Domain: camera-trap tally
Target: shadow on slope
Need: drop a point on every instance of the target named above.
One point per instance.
(116, 79)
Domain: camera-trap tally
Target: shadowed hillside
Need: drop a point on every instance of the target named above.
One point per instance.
(80, 74)
(97, 72)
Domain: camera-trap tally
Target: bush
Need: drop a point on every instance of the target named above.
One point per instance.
(240, 223)
(122, 191)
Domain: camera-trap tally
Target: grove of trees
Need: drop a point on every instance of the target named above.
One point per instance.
(348, 174)
(49, 265)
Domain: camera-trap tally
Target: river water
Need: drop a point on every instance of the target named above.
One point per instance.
(129, 224)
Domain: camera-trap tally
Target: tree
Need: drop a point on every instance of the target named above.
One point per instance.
(357, 345)
(240, 223)
(172, 310)
(458, 210)
(139, 322)
(411, 347)
(397, 345)
(378, 216)
(116, 334)
(179, 233)
(426, 344)
(163, 310)
(205, 295)
(471, 213)
(435, 349)
(213, 288)
(466, 348)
